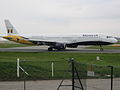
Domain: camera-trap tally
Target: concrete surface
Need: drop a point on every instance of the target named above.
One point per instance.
(80, 49)
(92, 84)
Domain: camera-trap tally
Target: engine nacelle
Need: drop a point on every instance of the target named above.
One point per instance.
(72, 45)
(59, 46)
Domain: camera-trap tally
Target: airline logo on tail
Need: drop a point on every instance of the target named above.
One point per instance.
(10, 29)
(13, 34)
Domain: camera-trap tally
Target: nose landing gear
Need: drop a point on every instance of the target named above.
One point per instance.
(101, 48)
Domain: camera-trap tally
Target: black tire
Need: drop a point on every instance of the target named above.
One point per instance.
(50, 49)
(101, 49)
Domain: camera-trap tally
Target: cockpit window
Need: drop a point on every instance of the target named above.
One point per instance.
(109, 37)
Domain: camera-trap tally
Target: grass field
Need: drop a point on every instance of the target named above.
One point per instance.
(39, 64)
(106, 58)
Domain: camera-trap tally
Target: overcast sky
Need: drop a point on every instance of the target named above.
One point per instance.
(61, 16)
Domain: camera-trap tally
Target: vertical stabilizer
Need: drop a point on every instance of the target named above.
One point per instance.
(10, 29)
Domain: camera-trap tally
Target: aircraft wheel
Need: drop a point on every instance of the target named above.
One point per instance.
(59, 49)
(50, 49)
(101, 48)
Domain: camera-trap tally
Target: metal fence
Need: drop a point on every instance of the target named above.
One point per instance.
(92, 77)
(38, 70)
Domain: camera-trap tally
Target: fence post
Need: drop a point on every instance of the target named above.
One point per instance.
(18, 73)
(111, 67)
(24, 81)
(72, 62)
(18, 65)
(52, 69)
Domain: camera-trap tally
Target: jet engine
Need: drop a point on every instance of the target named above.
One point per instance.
(72, 45)
(58, 46)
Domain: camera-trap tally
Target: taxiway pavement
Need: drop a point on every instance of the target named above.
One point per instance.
(80, 49)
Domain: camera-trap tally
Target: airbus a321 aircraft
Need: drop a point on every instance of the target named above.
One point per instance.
(58, 42)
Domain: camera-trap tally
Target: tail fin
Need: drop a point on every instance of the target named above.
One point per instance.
(10, 29)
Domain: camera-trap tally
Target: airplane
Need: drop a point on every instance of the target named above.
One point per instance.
(58, 42)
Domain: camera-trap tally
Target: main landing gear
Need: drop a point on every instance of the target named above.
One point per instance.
(50, 49)
(59, 49)
(101, 48)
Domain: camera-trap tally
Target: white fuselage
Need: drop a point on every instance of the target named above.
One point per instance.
(74, 38)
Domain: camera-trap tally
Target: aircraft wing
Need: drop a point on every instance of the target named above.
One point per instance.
(48, 42)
